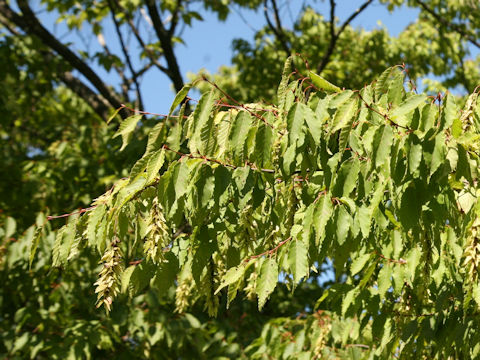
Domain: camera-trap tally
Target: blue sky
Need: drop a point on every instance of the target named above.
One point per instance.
(208, 43)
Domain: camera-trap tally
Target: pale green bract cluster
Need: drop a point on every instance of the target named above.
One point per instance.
(229, 200)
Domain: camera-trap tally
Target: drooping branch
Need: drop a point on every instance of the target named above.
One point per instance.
(31, 25)
(334, 36)
(446, 23)
(277, 28)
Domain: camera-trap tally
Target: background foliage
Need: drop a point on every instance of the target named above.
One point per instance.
(243, 195)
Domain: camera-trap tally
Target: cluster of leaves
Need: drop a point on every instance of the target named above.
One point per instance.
(234, 197)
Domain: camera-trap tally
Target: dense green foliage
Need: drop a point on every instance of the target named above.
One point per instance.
(327, 224)
(381, 181)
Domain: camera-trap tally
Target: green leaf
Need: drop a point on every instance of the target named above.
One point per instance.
(263, 146)
(399, 114)
(154, 165)
(384, 279)
(449, 111)
(295, 121)
(267, 280)
(33, 247)
(179, 97)
(298, 259)
(323, 212)
(439, 153)
(344, 116)
(414, 154)
(343, 222)
(282, 88)
(238, 135)
(383, 144)
(232, 275)
(125, 278)
(359, 262)
(381, 85)
(93, 220)
(127, 126)
(201, 121)
(323, 84)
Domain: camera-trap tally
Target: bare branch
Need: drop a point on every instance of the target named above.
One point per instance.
(174, 20)
(166, 43)
(126, 55)
(30, 24)
(450, 25)
(335, 36)
(148, 51)
(277, 30)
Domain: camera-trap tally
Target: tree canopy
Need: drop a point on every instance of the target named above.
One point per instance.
(282, 215)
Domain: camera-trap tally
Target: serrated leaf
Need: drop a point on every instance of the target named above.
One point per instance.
(34, 245)
(322, 214)
(232, 275)
(295, 121)
(449, 111)
(399, 114)
(238, 135)
(359, 263)
(201, 116)
(383, 144)
(344, 116)
(395, 88)
(127, 126)
(263, 146)
(383, 281)
(343, 222)
(154, 165)
(94, 218)
(414, 154)
(381, 85)
(323, 84)
(125, 278)
(349, 299)
(179, 97)
(282, 88)
(439, 153)
(298, 260)
(267, 281)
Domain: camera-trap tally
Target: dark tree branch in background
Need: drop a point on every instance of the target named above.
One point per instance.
(174, 21)
(335, 36)
(92, 99)
(277, 30)
(125, 82)
(32, 26)
(453, 26)
(99, 103)
(167, 46)
(127, 57)
(144, 47)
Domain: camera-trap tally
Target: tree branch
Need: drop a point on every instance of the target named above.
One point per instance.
(148, 51)
(96, 102)
(166, 43)
(127, 57)
(174, 22)
(277, 30)
(30, 24)
(448, 24)
(335, 36)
